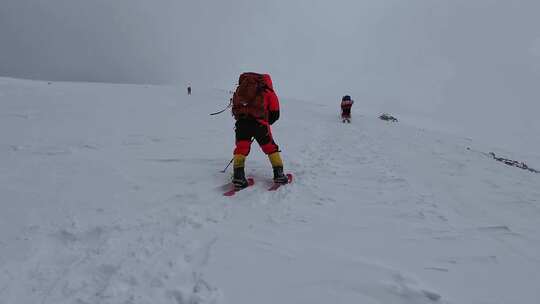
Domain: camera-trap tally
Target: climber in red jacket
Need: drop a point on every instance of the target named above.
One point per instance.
(255, 106)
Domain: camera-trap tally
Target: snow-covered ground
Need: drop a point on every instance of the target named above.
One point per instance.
(112, 194)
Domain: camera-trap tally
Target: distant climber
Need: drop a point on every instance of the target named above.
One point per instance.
(189, 90)
(346, 105)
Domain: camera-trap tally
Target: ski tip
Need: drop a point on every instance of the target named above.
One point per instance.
(289, 177)
(229, 193)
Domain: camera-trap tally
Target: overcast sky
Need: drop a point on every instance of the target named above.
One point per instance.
(444, 55)
(168, 40)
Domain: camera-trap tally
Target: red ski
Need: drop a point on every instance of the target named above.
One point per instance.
(232, 192)
(276, 186)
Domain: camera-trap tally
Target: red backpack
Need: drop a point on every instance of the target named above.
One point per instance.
(248, 99)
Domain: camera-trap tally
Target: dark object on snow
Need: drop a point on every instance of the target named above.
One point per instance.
(388, 117)
(513, 163)
(189, 90)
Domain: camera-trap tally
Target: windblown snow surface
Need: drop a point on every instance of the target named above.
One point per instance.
(112, 194)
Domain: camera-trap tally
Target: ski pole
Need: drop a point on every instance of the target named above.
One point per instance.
(219, 112)
(224, 170)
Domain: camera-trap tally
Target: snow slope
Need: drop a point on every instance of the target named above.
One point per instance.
(112, 194)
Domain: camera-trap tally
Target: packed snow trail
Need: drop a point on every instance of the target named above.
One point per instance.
(112, 194)
(401, 199)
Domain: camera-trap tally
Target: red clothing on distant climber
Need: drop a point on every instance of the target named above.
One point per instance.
(346, 106)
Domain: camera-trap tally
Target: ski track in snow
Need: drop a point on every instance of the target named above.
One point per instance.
(112, 195)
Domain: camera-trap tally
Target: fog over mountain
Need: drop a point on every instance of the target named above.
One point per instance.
(437, 57)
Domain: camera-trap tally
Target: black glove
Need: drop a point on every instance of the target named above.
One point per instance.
(273, 116)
